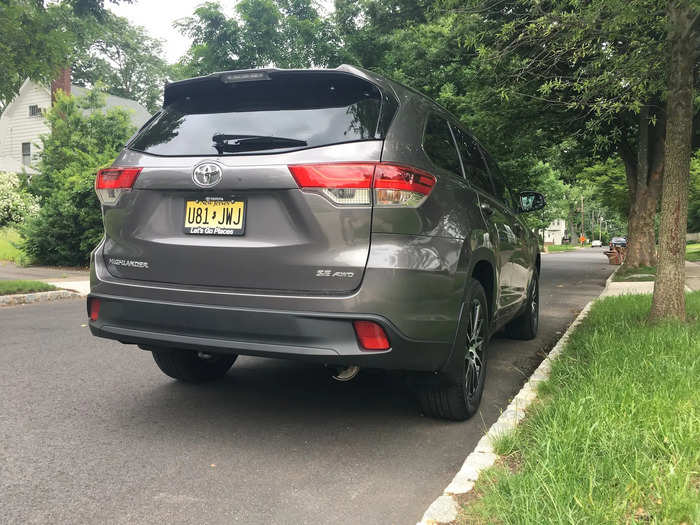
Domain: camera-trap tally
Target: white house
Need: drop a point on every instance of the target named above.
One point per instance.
(555, 232)
(22, 121)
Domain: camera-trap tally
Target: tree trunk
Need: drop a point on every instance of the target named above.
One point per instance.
(669, 294)
(644, 171)
(641, 245)
(571, 230)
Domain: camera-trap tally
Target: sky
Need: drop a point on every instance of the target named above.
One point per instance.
(157, 17)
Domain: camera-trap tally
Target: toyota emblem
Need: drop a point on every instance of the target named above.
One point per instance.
(207, 175)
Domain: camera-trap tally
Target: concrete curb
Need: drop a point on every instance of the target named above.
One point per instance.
(610, 279)
(562, 251)
(36, 297)
(445, 508)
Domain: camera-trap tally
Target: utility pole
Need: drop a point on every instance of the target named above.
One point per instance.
(583, 224)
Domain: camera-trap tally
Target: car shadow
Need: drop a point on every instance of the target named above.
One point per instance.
(263, 396)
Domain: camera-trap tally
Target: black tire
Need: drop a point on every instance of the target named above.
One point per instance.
(525, 326)
(457, 394)
(188, 366)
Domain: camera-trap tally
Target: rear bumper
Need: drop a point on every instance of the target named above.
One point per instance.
(311, 336)
(412, 287)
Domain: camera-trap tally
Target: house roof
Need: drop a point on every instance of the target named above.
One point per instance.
(9, 106)
(139, 114)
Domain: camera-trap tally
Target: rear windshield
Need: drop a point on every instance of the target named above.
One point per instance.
(288, 111)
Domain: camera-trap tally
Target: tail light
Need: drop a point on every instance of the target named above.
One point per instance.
(112, 182)
(352, 183)
(341, 183)
(401, 185)
(371, 336)
(94, 308)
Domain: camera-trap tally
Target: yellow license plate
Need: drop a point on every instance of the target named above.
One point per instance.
(215, 217)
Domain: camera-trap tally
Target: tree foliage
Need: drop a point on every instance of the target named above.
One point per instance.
(38, 37)
(263, 33)
(694, 195)
(608, 179)
(84, 137)
(123, 58)
(368, 27)
(16, 203)
(602, 60)
(34, 43)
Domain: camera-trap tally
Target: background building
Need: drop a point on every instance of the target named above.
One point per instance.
(22, 122)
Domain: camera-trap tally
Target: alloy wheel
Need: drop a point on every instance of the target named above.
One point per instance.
(474, 364)
(535, 306)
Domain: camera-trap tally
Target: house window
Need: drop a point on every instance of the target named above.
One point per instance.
(26, 153)
(34, 111)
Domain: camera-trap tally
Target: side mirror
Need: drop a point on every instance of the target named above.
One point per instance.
(531, 201)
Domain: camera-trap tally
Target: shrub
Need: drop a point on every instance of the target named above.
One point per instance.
(83, 139)
(16, 203)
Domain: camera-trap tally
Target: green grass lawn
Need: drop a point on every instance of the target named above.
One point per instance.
(12, 287)
(692, 252)
(9, 247)
(643, 273)
(562, 248)
(616, 436)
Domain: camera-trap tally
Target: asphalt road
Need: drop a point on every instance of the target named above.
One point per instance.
(92, 432)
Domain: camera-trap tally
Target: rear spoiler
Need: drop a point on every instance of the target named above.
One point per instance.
(180, 89)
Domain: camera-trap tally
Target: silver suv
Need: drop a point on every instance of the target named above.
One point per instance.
(333, 216)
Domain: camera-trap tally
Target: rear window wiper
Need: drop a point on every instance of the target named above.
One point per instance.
(230, 143)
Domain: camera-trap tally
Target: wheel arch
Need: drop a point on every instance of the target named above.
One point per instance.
(482, 267)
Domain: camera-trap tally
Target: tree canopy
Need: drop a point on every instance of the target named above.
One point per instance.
(37, 38)
(33, 43)
(280, 33)
(121, 57)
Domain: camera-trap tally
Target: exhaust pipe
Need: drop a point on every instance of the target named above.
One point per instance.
(346, 374)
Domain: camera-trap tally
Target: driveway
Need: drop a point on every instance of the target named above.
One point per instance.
(92, 432)
(10, 271)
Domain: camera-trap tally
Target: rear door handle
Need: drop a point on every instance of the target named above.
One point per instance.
(487, 209)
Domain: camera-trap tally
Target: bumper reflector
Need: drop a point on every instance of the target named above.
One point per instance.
(371, 336)
(94, 309)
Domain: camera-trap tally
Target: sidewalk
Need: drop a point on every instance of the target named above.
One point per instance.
(74, 279)
(82, 287)
(692, 275)
(692, 283)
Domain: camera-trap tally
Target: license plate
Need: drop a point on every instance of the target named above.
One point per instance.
(215, 217)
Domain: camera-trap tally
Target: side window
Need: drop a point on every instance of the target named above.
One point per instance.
(439, 146)
(501, 190)
(474, 167)
(26, 153)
